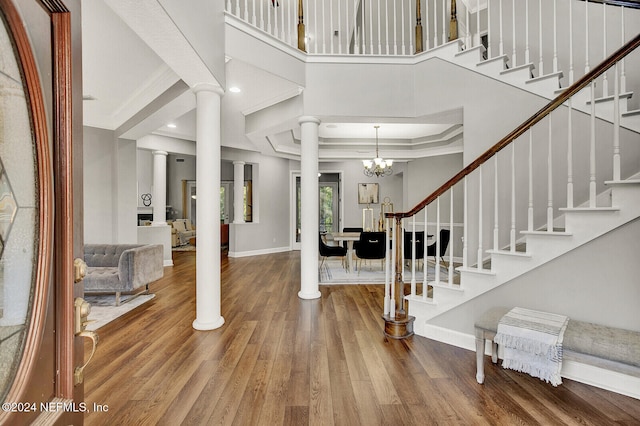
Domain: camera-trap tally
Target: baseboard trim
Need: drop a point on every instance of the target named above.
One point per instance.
(258, 252)
(168, 262)
(580, 372)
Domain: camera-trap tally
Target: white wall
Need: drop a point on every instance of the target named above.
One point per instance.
(597, 282)
(127, 193)
(176, 173)
(99, 186)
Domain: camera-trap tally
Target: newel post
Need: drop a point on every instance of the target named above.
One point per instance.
(301, 37)
(453, 23)
(419, 47)
(400, 325)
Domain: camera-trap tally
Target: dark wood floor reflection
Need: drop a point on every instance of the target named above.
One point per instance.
(282, 360)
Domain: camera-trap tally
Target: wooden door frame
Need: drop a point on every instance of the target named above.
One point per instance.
(55, 226)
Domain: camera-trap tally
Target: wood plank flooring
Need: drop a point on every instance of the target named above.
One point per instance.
(280, 360)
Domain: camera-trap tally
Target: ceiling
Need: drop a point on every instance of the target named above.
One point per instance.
(134, 92)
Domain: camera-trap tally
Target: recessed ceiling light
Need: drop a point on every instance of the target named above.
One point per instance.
(234, 89)
(171, 126)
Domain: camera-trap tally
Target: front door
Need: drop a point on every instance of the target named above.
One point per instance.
(37, 217)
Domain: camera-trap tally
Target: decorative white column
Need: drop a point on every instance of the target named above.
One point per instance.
(208, 314)
(159, 200)
(238, 192)
(309, 208)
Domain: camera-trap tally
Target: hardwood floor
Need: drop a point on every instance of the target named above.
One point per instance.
(282, 360)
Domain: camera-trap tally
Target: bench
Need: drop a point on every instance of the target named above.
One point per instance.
(605, 347)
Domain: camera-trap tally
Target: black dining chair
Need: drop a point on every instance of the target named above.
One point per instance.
(408, 245)
(444, 243)
(330, 251)
(372, 245)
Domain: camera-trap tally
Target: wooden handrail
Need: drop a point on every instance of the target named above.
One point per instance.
(535, 118)
(634, 4)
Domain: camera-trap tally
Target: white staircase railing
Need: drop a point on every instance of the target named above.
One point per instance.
(559, 171)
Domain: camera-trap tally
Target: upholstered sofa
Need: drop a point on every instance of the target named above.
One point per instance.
(181, 231)
(121, 268)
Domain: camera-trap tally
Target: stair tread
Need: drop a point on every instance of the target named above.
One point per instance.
(530, 66)
(475, 270)
(557, 74)
(442, 284)
(510, 253)
(631, 113)
(626, 95)
(622, 182)
(418, 298)
(553, 233)
(589, 209)
(503, 58)
(470, 50)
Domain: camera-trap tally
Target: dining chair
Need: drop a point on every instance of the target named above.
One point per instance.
(408, 245)
(330, 251)
(445, 234)
(372, 245)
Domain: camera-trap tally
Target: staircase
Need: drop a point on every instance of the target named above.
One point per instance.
(495, 204)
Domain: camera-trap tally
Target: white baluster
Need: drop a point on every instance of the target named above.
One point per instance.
(228, 7)
(586, 37)
(437, 271)
(425, 289)
(340, 33)
(413, 255)
(479, 217)
(435, 24)
(371, 27)
(402, 26)
(592, 149)
(550, 180)
(570, 155)
(527, 58)
(324, 30)
(253, 12)
(530, 208)
(500, 24)
(496, 232)
(379, 31)
(269, 19)
(605, 81)
(395, 28)
(386, 20)
(451, 240)
(332, 32)
(275, 21)
(512, 233)
(401, 241)
(291, 29)
(514, 62)
(555, 37)
(387, 264)
(540, 61)
(570, 43)
(410, 26)
(444, 21)
(468, 38)
(392, 300)
(478, 22)
(489, 50)
(465, 213)
(616, 124)
(237, 8)
(623, 77)
(262, 16)
(282, 26)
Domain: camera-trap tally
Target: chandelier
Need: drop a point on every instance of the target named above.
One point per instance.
(377, 167)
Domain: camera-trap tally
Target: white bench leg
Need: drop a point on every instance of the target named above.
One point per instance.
(494, 352)
(479, 358)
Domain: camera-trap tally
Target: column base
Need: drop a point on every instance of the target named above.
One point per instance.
(399, 328)
(204, 326)
(309, 296)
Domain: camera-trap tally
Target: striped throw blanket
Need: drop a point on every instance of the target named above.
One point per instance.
(532, 343)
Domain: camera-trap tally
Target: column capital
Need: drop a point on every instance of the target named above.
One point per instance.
(208, 87)
(308, 119)
(242, 163)
(165, 153)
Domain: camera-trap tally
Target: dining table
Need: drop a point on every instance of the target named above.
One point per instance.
(349, 237)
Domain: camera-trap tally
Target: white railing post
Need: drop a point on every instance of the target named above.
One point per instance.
(616, 125)
(402, 25)
(444, 21)
(468, 39)
(540, 60)
(413, 255)
(425, 270)
(512, 233)
(386, 11)
(555, 37)
(514, 61)
(465, 228)
(253, 12)
(570, 155)
(392, 299)
(501, 42)
(479, 266)
(332, 32)
(623, 77)
(451, 240)
(371, 27)
(228, 6)
(387, 269)
(339, 29)
(282, 25)
(570, 43)
(438, 242)
(550, 179)
(426, 14)
(379, 31)
(592, 149)
(586, 37)
(496, 232)
(324, 29)
(410, 25)
(478, 26)
(605, 80)
(530, 204)
(395, 28)
(527, 58)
